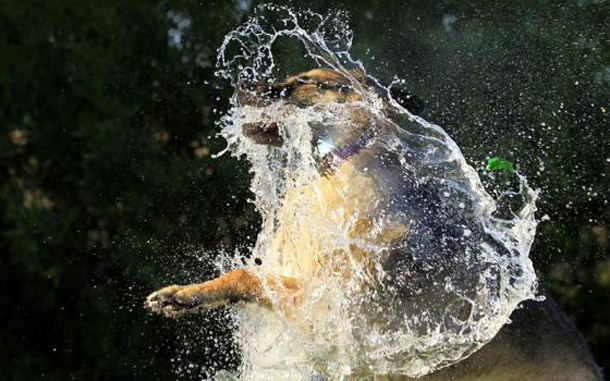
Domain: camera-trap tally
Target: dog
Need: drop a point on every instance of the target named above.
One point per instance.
(540, 344)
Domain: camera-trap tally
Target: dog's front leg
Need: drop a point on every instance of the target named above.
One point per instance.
(235, 286)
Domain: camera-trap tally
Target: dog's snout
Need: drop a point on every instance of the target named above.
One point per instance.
(262, 91)
(271, 91)
(262, 87)
(246, 86)
(248, 93)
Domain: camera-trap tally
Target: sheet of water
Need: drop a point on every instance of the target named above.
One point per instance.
(421, 303)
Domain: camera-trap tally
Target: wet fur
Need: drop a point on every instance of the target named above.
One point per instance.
(539, 345)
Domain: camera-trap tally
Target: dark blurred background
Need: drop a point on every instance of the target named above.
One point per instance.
(108, 188)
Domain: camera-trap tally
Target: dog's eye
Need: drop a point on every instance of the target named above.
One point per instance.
(325, 86)
(303, 80)
(332, 86)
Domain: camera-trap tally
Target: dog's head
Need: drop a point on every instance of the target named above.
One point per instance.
(317, 86)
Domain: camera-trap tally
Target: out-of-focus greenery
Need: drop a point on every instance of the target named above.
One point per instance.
(108, 189)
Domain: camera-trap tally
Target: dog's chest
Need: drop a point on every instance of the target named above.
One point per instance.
(322, 218)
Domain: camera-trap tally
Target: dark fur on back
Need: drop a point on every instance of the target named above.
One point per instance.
(540, 344)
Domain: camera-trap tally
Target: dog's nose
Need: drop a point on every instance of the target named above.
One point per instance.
(263, 87)
(247, 93)
(256, 87)
(247, 85)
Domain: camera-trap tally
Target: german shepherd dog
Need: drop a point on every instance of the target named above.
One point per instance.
(540, 343)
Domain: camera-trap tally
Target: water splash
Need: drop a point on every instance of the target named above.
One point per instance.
(407, 264)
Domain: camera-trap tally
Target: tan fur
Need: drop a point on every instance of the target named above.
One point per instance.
(334, 199)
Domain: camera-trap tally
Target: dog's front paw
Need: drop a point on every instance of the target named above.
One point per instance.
(175, 301)
(167, 302)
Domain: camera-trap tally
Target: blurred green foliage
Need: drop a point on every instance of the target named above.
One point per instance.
(108, 189)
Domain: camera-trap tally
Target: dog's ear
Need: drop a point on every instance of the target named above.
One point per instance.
(407, 100)
(358, 74)
(361, 77)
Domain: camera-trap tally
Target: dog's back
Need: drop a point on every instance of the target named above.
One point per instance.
(540, 344)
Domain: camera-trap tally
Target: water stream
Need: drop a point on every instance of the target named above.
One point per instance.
(405, 261)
